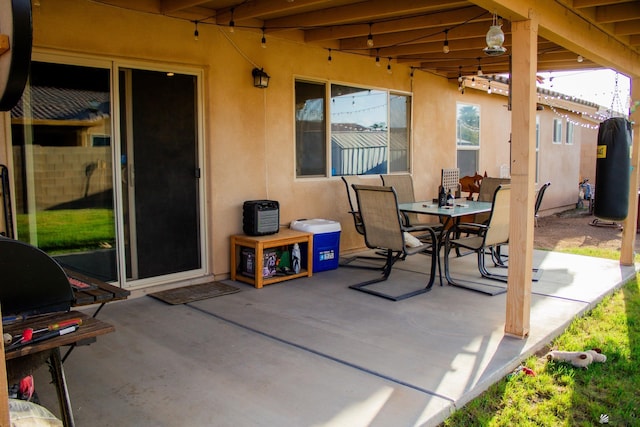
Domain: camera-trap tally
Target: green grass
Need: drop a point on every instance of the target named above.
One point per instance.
(69, 230)
(561, 395)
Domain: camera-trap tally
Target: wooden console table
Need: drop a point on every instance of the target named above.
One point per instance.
(285, 237)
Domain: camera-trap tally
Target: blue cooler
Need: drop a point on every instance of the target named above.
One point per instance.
(326, 242)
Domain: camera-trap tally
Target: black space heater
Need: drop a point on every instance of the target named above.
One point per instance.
(32, 282)
(260, 217)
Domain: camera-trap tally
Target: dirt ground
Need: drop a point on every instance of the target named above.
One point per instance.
(573, 229)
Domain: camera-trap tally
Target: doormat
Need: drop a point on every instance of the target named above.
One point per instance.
(193, 293)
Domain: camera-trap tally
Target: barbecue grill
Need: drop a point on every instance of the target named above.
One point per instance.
(33, 283)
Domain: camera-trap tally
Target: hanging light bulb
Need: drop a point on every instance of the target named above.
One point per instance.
(473, 81)
(479, 68)
(580, 58)
(495, 38)
(329, 58)
(489, 89)
(389, 66)
(445, 47)
(263, 42)
(370, 37)
(377, 57)
(232, 23)
(195, 32)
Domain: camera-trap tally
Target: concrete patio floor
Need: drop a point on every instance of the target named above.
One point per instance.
(312, 352)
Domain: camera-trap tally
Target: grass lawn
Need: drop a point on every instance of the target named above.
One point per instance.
(70, 230)
(562, 395)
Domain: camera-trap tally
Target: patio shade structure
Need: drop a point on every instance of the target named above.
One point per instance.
(539, 36)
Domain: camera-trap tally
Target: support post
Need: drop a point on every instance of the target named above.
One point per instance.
(523, 128)
(630, 223)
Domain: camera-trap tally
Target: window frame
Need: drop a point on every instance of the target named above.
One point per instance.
(330, 171)
(556, 136)
(468, 147)
(569, 133)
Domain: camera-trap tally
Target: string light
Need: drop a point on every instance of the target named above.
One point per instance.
(232, 23)
(370, 37)
(195, 32)
(445, 47)
(263, 42)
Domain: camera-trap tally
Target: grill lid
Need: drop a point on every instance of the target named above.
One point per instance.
(32, 282)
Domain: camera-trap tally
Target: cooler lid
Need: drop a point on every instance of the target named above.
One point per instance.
(316, 226)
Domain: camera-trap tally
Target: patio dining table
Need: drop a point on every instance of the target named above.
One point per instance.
(452, 214)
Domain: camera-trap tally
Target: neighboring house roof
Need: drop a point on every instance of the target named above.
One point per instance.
(52, 103)
(350, 140)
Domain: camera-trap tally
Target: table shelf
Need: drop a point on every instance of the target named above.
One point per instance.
(284, 237)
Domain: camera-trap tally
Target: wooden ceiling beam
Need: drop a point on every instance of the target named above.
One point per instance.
(473, 30)
(170, 6)
(448, 19)
(564, 26)
(618, 12)
(627, 27)
(260, 8)
(370, 10)
(581, 4)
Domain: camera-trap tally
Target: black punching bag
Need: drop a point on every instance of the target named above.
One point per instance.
(613, 169)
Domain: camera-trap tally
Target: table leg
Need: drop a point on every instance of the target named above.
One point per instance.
(60, 382)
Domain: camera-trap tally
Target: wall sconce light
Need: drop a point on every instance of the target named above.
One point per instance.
(495, 38)
(260, 78)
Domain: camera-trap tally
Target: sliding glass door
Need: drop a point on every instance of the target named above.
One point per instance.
(134, 220)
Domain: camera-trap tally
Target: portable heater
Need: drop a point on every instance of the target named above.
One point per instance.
(260, 217)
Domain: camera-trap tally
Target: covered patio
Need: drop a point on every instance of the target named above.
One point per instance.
(312, 352)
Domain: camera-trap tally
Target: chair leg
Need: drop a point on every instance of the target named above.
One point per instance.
(482, 267)
(477, 287)
(386, 271)
(348, 261)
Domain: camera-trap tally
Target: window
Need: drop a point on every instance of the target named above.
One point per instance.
(369, 130)
(557, 131)
(311, 129)
(468, 138)
(569, 136)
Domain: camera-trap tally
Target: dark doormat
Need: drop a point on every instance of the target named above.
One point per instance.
(192, 293)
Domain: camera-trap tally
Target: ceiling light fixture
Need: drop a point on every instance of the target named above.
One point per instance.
(445, 47)
(370, 37)
(495, 39)
(580, 58)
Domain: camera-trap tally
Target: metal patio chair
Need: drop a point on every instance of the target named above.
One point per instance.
(403, 186)
(384, 230)
(485, 239)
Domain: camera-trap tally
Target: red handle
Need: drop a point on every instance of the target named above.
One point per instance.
(64, 324)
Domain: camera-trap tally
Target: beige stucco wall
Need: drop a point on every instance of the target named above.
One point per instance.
(249, 133)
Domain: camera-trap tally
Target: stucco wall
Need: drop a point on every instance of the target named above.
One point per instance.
(249, 133)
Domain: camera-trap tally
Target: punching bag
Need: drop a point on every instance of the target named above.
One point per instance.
(613, 169)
